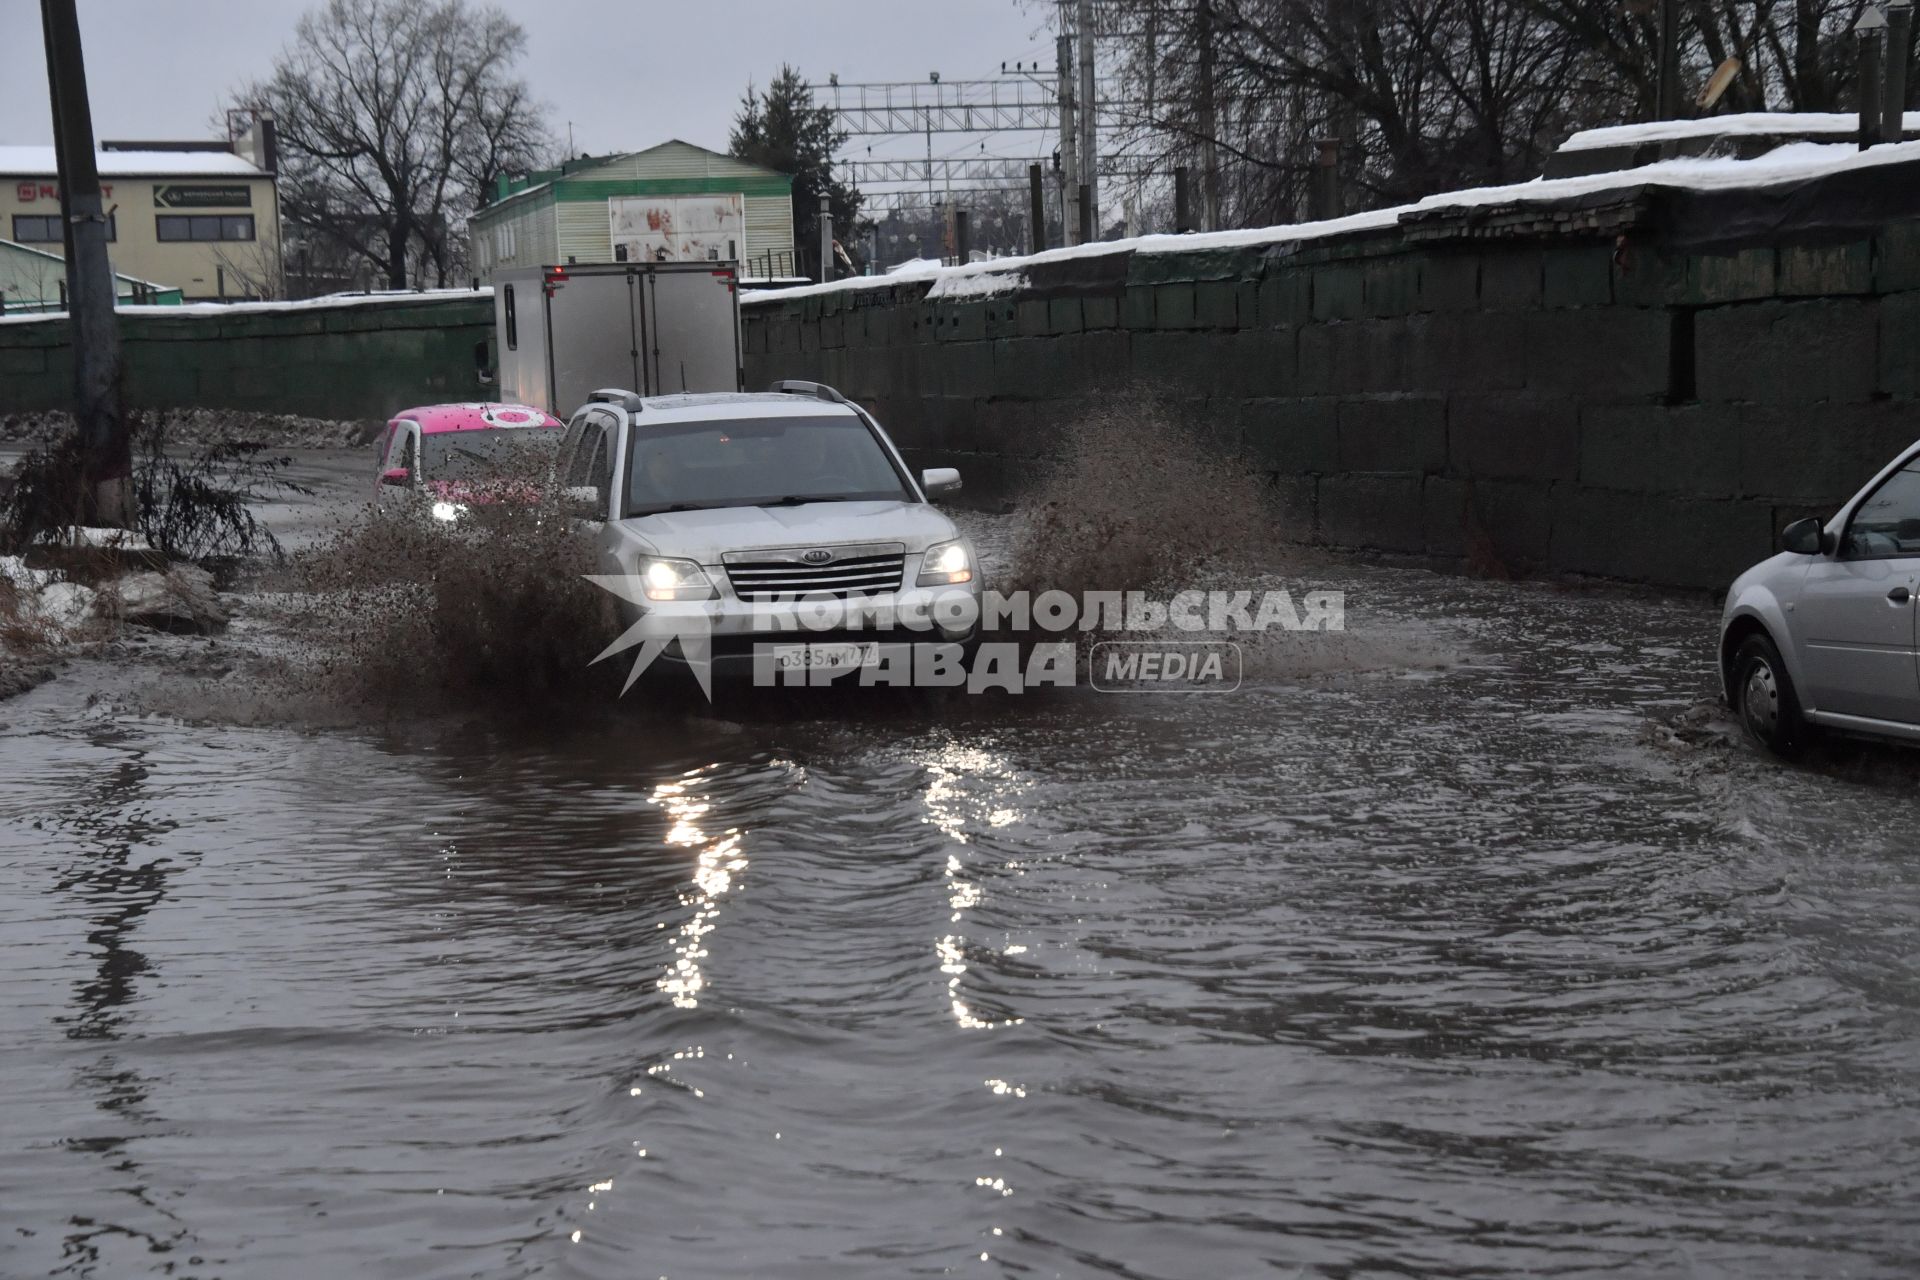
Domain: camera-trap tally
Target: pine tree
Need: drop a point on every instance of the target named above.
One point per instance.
(783, 130)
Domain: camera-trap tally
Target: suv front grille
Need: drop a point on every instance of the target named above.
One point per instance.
(853, 571)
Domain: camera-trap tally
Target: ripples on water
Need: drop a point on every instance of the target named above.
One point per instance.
(1404, 974)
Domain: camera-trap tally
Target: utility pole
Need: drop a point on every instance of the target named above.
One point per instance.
(1326, 201)
(1069, 140)
(1209, 153)
(1037, 208)
(101, 419)
(1667, 96)
(826, 237)
(1868, 30)
(1899, 38)
(1089, 112)
(60, 166)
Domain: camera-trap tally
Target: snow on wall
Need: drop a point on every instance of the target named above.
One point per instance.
(1794, 162)
(396, 297)
(1745, 124)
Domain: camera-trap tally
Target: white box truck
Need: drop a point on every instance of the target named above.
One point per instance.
(657, 328)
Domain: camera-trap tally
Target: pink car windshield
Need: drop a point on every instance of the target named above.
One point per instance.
(507, 453)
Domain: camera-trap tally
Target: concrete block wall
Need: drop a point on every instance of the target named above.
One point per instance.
(360, 360)
(1566, 403)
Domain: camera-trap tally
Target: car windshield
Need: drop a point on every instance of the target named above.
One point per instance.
(506, 452)
(755, 462)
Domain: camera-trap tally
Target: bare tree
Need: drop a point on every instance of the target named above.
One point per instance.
(1428, 95)
(32, 281)
(255, 266)
(395, 117)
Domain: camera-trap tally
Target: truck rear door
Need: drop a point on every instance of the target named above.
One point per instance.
(593, 337)
(690, 330)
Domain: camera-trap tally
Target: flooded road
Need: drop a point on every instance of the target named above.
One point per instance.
(1415, 972)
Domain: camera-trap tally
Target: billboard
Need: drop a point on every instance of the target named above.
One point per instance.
(702, 228)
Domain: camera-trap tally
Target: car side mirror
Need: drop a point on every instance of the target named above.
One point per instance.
(583, 502)
(396, 475)
(1805, 537)
(940, 480)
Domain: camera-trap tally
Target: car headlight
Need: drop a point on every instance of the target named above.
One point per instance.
(448, 512)
(674, 580)
(945, 564)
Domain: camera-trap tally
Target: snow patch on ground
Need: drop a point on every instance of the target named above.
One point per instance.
(43, 598)
(186, 428)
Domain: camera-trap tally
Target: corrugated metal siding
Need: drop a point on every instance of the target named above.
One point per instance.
(769, 225)
(677, 159)
(532, 243)
(543, 236)
(585, 231)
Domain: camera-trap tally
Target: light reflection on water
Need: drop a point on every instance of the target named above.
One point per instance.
(719, 862)
(951, 771)
(1390, 974)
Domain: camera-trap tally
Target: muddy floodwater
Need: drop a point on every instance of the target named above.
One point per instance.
(1457, 967)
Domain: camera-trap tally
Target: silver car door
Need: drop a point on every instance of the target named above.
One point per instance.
(1855, 620)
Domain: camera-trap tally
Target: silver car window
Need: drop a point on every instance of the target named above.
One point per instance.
(1887, 524)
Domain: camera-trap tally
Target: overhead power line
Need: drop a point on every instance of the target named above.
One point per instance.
(968, 169)
(1013, 104)
(928, 106)
(907, 198)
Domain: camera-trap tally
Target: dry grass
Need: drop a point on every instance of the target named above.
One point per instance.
(23, 632)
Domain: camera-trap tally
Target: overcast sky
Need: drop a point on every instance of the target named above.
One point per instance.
(626, 73)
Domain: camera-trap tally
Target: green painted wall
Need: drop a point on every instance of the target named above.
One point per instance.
(1563, 399)
(353, 361)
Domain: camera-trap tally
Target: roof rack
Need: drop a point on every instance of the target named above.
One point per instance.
(818, 390)
(628, 400)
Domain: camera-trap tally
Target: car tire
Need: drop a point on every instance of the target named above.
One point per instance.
(1765, 699)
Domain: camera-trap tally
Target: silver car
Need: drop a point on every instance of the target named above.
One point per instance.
(1822, 636)
(781, 529)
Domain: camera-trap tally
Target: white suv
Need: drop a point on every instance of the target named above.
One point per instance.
(1822, 636)
(780, 528)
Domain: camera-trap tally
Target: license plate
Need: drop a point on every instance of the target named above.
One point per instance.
(825, 657)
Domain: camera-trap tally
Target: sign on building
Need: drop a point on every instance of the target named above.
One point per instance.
(202, 196)
(703, 228)
(28, 192)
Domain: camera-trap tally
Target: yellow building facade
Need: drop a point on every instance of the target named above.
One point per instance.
(184, 216)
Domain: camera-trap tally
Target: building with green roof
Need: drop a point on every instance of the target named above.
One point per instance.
(672, 203)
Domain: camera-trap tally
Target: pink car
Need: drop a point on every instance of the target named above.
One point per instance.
(457, 455)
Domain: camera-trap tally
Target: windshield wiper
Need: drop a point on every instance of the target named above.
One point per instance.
(675, 506)
(790, 500)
